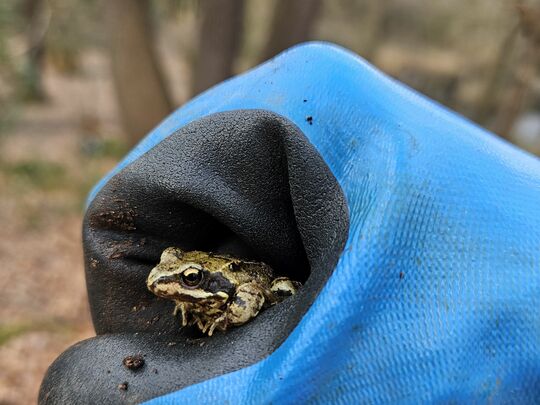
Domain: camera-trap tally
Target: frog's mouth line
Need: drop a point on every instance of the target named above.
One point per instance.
(212, 282)
(163, 292)
(160, 289)
(194, 299)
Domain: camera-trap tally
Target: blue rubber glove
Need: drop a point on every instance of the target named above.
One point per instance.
(436, 297)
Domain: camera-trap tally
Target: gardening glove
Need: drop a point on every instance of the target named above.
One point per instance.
(414, 232)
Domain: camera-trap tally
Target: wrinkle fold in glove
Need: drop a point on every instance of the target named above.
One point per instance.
(435, 297)
(244, 182)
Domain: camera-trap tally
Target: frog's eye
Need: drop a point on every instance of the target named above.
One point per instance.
(192, 277)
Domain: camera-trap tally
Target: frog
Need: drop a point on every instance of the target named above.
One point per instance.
(216, 291)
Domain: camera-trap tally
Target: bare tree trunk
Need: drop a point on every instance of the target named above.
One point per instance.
(374, 27)
(488, 101)
(514, 101)
(509, 112)
(220, 37)
(292, 23)
(35, 18)
(143, 98)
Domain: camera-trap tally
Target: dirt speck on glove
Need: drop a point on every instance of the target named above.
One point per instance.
(133, 362)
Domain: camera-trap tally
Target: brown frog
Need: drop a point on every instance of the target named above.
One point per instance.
(214, 290)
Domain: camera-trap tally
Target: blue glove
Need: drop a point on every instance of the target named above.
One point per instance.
(436, 296)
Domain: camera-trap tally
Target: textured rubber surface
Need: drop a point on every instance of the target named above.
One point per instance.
(436, 297)
(246, 183)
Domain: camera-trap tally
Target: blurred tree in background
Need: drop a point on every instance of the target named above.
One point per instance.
(476, 57)
(526, 69)
(143, 97)
(72, 28)
(219, 40)
(36, 20)
(292, 23)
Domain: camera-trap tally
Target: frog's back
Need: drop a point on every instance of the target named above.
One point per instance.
(242, 270)
(259, 271)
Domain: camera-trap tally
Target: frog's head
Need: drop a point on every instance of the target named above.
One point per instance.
(189, 277)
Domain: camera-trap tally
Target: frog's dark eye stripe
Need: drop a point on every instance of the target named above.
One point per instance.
(192, 277)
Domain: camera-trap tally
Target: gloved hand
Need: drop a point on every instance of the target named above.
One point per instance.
(434, 297)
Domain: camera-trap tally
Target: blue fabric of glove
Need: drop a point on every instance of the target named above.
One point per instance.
(436, 297)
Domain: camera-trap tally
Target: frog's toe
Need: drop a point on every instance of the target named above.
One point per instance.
(213, 326)
(284, 287)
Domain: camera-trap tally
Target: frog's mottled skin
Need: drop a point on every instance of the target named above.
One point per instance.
(216, 291)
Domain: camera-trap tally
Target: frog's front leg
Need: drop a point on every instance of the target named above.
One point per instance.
(182, 308)
(246, 304)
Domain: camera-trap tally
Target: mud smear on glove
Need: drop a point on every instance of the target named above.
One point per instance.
(247, 183)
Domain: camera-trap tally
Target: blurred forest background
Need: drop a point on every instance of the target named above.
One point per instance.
(82, 81)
